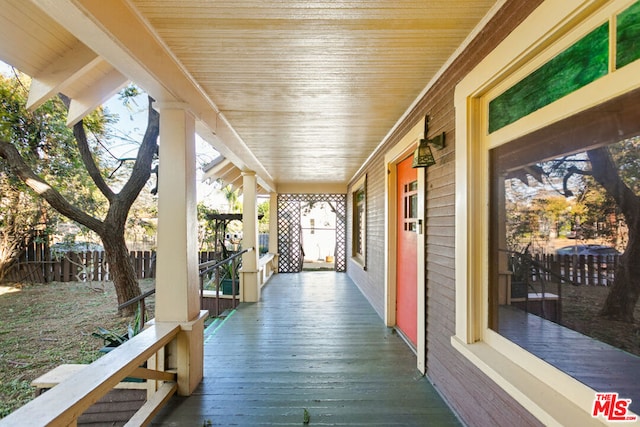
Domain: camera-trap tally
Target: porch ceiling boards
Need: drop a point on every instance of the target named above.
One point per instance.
(313, 342)
(298, 91)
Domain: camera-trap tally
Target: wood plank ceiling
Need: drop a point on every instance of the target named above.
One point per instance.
(309, 88)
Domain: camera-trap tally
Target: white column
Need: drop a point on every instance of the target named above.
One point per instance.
(250, 282)
(273, 223)
(177, 281)
(177, 286)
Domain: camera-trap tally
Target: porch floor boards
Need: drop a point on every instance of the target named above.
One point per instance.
(600, 366)
(313, 342)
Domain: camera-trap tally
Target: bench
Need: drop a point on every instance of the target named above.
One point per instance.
(74, 389)
(116, 407)
(62, 372)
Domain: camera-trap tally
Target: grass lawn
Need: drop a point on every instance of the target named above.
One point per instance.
(46, 325)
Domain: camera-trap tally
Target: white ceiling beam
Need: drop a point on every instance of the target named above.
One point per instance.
(234, 182)
(232, 176)
(116, 32)
(60, 73)
(220, 170)
(229, 170)
(212, 173)
(226, 133)
(96, 95)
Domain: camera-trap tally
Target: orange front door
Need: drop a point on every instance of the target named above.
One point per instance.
(407, 258)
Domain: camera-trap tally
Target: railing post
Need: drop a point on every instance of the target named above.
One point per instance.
(234, 270)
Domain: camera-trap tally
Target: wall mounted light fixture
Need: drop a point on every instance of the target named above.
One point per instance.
(423, 157)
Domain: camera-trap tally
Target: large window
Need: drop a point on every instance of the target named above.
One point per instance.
(564, 239)
(359, 199)
(528, 191)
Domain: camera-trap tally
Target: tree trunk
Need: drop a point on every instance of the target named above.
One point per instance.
(111, 230)
(623, 296)
(121, 270)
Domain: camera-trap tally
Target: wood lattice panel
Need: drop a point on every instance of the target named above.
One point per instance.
(290, 232)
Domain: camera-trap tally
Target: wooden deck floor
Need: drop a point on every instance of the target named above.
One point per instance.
(312, 343)
(600, 366)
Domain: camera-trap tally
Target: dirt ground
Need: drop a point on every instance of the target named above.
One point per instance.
(45, 325)
(580, 308)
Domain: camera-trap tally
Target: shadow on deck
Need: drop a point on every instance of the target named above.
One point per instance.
(314, 343)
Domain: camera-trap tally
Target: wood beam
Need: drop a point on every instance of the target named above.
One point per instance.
(58, 74)
(115, 31)
(95, 95)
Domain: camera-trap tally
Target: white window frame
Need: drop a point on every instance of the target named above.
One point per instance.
(359, 258)
(548, 393)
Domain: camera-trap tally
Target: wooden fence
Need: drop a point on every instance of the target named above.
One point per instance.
(41, 267)
(590, 270)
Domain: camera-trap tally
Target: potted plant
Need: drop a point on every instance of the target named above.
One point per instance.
(229, 277)
(112, 339)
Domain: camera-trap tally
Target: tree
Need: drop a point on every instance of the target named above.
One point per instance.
(111, 228)
(19, 216)
(624, 293)
(263, 223)
(206, 229)
(232, 198)
(45, 141)
(616, 169)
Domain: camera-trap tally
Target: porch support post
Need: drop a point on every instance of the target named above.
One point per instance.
(250, 282)
(273, 226)
(177, 281)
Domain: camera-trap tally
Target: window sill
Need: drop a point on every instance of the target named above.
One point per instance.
(358, 260)
(542, 399)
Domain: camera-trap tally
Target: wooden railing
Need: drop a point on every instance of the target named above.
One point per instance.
(142, 306)
(68, 399)
(64, 403)
(212, 296)
(212, 275)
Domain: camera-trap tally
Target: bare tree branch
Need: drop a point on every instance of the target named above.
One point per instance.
(89, 162)
(40, 186)
(142, 167)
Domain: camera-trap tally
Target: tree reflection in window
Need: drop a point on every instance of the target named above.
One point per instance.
(566, 235)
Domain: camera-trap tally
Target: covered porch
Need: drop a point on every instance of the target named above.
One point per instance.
(313, 342)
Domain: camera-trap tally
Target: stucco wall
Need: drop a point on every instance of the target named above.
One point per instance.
(477, 400)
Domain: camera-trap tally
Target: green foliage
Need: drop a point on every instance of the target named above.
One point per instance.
(47, 144)
(15, 394)
(207, 233)
(626, 154)
(263, 224)
(232, 199)
(580, 203)
(112, 338)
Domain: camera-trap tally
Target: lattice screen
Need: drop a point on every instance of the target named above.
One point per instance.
(290, 233)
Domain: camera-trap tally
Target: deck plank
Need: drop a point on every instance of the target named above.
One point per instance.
(315, 343)
(600, 366)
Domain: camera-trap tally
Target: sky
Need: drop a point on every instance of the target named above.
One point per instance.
(132, 125)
